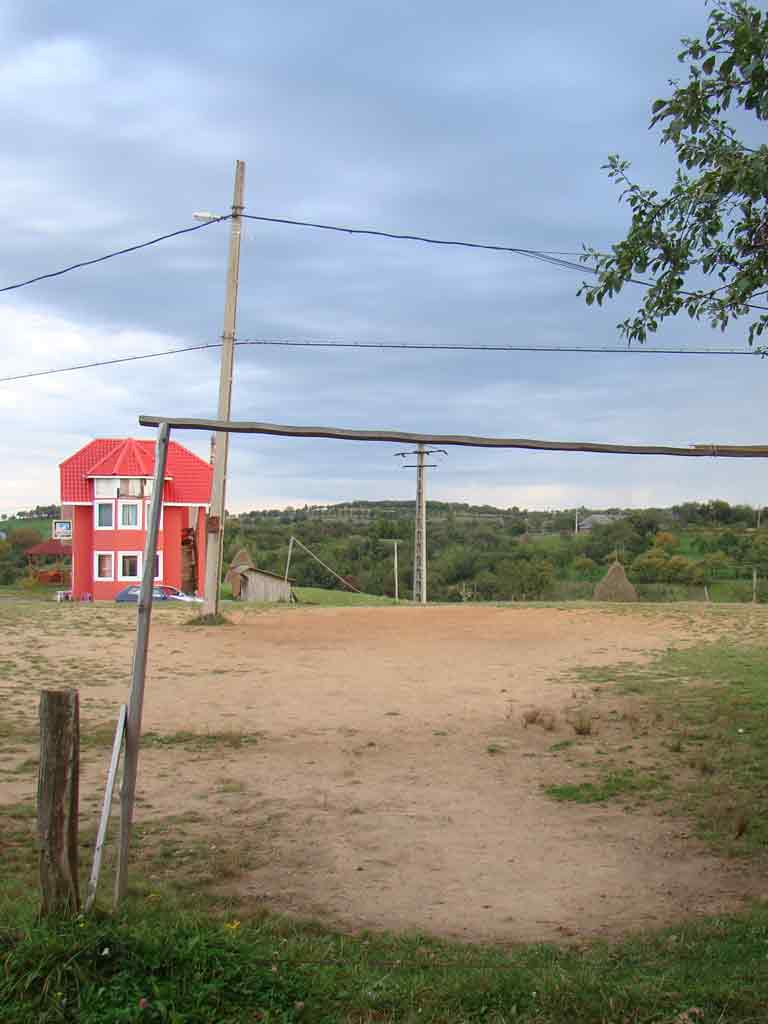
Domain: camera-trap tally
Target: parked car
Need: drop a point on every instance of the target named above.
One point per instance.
(162, 592)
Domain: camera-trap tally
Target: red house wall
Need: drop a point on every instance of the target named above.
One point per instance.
(201, 536)
(82, 551)
(87, 540)
(173, 519)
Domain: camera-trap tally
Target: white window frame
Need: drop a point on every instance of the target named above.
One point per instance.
(139, 513)
(140, 557)
(103, 579)
(96, 505)
(129, 579)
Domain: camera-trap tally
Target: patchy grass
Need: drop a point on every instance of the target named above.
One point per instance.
(609, 786)
(339, 598)
(209, 620)
(704, 710)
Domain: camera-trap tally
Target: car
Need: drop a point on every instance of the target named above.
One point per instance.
(161, 592)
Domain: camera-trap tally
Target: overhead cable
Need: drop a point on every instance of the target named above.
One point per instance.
(548, 255)
(112, 255)
(397, 345)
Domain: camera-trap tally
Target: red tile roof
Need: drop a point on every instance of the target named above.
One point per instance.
(188, 477)
(129, 458)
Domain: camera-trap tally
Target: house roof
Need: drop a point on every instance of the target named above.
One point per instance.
(129, 458)
(52, 548)
(245, 569)
(188, 477)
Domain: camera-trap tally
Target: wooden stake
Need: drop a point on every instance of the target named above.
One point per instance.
(57, 802)
(136, 695)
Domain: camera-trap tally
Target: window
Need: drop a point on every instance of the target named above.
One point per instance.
(105, 515)
(105, 488)
(129, 565)
(130, 488)
(129, 515)
(103, 565)
(148, 488)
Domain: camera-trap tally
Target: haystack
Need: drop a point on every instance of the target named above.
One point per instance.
(241, 561)
(615, 586)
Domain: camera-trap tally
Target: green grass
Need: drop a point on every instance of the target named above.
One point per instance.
(611, 785)
(706, 710)
(158, 963)
(43, 526)
(339, 598)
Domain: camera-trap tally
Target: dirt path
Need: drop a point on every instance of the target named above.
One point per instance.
(394, 785)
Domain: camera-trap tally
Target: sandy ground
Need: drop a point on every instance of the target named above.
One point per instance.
(393, 784)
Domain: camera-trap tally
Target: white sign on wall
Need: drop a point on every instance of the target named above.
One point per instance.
(62, 529)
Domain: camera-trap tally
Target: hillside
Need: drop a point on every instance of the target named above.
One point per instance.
(486, 553)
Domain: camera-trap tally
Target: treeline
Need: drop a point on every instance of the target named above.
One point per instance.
(691, 545)
(38, 512)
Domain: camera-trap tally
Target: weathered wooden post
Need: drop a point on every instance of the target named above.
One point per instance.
(139, 669)
(58, 788)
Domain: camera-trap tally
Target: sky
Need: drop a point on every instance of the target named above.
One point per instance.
(487, 122)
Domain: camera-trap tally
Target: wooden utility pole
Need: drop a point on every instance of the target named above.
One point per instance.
(395, 569)
(215, 534)
(139, 670)
(57, 802)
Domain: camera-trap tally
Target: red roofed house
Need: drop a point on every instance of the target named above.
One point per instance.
(106, 489)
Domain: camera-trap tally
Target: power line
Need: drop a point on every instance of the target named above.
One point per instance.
(447, 347)
(111, 255)
(404, 345)
(108, 362)
(548, 255)
(551, 256)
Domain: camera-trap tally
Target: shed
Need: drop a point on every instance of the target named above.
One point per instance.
(251, 584)
(46, 562)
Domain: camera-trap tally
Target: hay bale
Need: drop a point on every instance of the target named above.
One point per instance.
(242, 560)
(615, 586)
(240, 563)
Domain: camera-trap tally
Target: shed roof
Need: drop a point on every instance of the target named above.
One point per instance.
(245, 569)
(53, 548)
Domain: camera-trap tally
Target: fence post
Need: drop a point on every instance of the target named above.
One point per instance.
(57, 801)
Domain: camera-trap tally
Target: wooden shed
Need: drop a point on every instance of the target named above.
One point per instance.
(251, 584)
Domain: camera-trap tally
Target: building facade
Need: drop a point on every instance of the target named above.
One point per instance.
(106, 489)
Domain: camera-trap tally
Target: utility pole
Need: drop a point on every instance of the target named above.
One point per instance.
(388, 540)
(420, 536)
(220, 442)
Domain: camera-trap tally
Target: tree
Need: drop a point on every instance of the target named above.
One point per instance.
(23, 537)
(704, 245)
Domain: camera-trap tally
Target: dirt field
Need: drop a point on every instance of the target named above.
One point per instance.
(370, 767)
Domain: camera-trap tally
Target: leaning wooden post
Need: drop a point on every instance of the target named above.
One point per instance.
(57, 801)
(136, 694)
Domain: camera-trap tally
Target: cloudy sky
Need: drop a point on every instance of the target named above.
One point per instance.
(485, 121)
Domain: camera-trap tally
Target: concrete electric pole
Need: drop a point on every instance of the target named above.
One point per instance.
(420, 534)
(220, 447)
